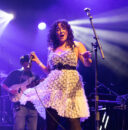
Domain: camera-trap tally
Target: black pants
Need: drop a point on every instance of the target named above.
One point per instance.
(55, 122)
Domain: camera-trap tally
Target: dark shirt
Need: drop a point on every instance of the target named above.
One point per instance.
(18, 77)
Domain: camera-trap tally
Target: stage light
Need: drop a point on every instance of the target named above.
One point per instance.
(5, 18)
(113, 16)
(42, 26)
(111, 28)
(10, 16)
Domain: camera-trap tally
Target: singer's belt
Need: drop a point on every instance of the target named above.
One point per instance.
(60, 66)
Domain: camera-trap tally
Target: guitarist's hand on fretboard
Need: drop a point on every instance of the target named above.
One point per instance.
(17, 90)
(13, 92)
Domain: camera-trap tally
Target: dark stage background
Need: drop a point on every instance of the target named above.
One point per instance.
(110, 18)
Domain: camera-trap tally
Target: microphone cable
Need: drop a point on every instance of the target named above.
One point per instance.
(48, 111)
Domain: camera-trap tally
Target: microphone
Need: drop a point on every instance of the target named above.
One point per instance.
(87, 9)
(30, 61)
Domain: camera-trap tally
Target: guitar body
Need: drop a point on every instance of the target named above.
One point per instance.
(20, 88)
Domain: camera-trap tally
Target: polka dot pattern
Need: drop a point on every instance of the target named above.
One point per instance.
(62, 89)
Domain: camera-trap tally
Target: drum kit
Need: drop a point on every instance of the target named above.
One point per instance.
(113, 108)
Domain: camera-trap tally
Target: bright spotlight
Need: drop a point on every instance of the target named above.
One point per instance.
(5, 18)
(42, 26)
(111, 37)
(10, 16)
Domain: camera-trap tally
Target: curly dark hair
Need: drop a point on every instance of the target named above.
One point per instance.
(52, 37)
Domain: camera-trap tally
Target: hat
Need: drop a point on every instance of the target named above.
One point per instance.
(24, 58)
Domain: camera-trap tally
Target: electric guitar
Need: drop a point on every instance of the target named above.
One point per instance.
(20, 88)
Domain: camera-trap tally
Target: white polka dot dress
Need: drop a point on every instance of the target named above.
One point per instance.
(62, 90)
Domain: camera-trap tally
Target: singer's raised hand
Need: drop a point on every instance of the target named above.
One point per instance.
(87, 55)
(87, 58)
(37, 60)
(34, 57)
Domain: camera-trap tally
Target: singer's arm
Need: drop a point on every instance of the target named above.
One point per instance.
(45, 68)
(37, 60)
(83, 54)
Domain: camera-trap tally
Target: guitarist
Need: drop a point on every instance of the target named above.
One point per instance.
(24, 115)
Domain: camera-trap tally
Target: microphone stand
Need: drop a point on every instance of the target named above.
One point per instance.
(95, 45)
